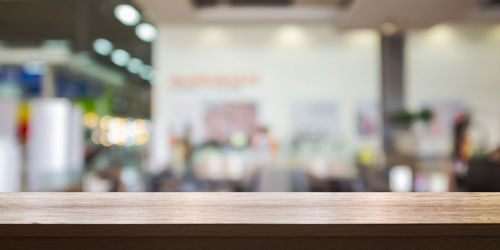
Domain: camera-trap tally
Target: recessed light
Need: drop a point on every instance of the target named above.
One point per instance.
(103, 46)
(146, 32)
(127, 14)
(134, 65)
(120, 57)
(146, 73)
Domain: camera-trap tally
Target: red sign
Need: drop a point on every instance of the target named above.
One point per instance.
(215, 80)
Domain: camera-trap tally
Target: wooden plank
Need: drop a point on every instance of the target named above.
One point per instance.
(249, 208)
(249, 220)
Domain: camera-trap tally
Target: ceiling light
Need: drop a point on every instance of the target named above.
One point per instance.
(146, 73)
(127, 14)
(389, 28)
(120, 57)
(291, 35)
(146, 32)
(134, 65)
(103, 47)
(360, 38)
(442, 34)
(494, 33)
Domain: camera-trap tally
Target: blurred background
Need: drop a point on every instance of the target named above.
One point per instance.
(250, 95)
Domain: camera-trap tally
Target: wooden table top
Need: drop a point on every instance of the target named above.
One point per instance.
(249, 208)
(250, 220)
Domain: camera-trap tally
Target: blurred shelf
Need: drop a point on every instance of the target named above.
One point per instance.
(251, 220)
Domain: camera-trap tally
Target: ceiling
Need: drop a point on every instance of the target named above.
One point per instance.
(406, 14)
(242, 10)
(30, 22)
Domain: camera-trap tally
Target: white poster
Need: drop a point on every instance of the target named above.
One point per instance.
(368, 118)
(315, 120)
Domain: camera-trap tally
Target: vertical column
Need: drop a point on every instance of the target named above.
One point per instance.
(392, 49)
(48, 82)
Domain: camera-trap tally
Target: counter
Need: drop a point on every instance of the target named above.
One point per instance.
(250, 220)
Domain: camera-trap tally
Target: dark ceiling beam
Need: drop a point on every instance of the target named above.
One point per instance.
(82, 25)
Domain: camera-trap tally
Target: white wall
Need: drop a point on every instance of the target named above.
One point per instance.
(293, 62)
(314, 61)
(457, 62)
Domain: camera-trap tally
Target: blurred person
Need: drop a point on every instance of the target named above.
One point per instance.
(264, 144)
(269, 176)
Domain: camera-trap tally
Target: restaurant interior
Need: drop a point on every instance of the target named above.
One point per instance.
(250, 96)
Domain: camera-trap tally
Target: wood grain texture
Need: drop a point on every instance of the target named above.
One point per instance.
(249, 220)
(249, 208)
